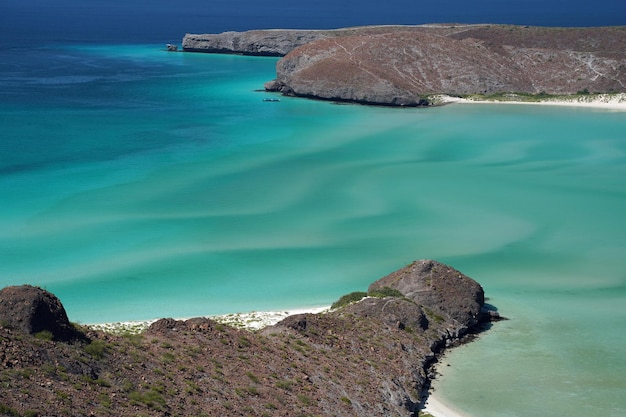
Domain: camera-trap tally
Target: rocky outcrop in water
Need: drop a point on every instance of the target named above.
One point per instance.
(370, 357)
(404, 65)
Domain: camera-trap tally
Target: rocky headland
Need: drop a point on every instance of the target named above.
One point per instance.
(371, 355)
(407, 65)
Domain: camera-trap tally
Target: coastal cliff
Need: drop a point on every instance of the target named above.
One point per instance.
(369, 356)
(405, 65)
(275, 42)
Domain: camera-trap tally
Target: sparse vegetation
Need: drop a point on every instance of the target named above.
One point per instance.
(344, 300)
(253, 377)
(508, 96)
(385, 292)
(5, 410)
(150, 398)
(95, 381)
(167, 345)
(356, 296)
(96, 348)
(304, 400)
(244, 342)
(583, 95)
(104, 400)
(284, 384)
(431, 314)
(44, 335)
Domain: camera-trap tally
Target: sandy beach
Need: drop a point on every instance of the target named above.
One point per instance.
(599, 101)
(437, 408)
(253, 320)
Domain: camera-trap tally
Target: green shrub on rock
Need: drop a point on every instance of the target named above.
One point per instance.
(355, 296)
(385, 292)
(344, 300)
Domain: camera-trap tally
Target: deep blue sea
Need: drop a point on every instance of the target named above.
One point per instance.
(23, 22)
(136, 183)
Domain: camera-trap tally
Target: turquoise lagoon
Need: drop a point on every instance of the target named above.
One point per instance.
(136, 184)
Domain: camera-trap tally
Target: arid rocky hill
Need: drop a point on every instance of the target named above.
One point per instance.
(404, 65)
(366, 358)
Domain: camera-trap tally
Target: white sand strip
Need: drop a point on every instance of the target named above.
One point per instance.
(253, 320)
(437, 408)
(599, 101)
(256, 320)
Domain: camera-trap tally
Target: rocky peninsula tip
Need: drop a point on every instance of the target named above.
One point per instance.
(371, 355)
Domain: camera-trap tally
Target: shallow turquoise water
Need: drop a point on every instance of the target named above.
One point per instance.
(136, 184)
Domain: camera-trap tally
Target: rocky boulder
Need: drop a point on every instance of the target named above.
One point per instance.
(425, 296)
(448, 293)
(34, 310)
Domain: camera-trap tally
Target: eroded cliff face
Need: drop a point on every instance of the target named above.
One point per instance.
(403, 65)
(268, 42)
(368, 358)
(276, 42)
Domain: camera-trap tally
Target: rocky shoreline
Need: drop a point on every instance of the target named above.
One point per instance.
(406, 65)
(371, 355)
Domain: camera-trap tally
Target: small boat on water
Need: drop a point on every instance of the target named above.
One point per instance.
(271, 99)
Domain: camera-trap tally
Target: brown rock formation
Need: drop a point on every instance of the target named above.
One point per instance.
(404, 67)
(369, 358)
(440, 288)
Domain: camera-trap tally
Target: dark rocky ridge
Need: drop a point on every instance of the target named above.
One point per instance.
(404, 65)
(369, 358)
